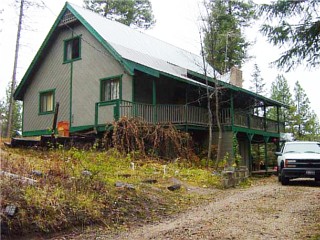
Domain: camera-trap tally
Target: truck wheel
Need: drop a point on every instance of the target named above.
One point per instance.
(284, 180)
(279, 174)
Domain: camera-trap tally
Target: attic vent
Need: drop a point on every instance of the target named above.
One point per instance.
(67, 18)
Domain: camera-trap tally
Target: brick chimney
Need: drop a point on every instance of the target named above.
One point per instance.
(236, 77)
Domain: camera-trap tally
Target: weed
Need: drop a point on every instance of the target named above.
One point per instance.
(77, 188)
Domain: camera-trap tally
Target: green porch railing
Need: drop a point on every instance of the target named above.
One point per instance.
(164, 113)
(180, 115)
(250, 121)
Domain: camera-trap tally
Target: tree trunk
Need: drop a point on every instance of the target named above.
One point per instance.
(13, 83)
(219, 127)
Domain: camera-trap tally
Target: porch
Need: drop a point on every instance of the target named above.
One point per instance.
(186, 115)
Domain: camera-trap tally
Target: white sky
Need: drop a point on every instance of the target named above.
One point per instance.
(177, 23)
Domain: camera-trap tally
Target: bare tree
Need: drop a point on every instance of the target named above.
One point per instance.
(208, 30)
(14, 74)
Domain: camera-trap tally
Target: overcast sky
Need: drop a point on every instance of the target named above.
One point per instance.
(177, 23)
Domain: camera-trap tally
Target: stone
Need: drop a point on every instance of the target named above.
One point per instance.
(36, 173)
(86, 173)
(151, 181)
(11, 210)
(174, 187)
(124, 185)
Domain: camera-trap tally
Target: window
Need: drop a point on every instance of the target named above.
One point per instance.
(72, 49)
(110, 89)
(46, 102)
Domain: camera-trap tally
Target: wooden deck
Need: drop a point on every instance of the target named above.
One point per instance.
(181, 115)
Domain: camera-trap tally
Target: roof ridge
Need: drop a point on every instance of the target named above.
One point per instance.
(136, 30)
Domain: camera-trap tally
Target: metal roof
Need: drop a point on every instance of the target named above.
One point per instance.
(135, 50)
(142, 48)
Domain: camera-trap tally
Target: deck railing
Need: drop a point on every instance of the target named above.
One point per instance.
(183, 115)
(164, 114)
(250, 121)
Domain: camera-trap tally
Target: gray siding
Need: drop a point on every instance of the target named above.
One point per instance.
(51, 74)
(83, 76)
(96, 64)
(106, 114)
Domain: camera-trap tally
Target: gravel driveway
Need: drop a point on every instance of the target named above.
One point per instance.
(264, 211)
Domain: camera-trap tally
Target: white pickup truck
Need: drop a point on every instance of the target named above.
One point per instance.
(298, 160)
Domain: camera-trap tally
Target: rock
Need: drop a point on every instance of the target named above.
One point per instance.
(151, 181)
(124, 185)
(37, 173)
(11, 210)
(174, 187)
(86, 173)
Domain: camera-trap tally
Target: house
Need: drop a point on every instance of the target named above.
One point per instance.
(100, 70)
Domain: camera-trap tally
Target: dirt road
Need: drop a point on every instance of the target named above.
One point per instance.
(264, 211)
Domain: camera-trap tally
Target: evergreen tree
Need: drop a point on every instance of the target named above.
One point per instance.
(280, 91)
(257, 82)
(224, 41)
(303, 115)
(295, 25)
(312, 128)
(137, 13)
(4, 115)
(257, 86)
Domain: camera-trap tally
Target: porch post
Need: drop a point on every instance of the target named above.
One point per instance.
(264, 117)
(232, 110)
(266, 139)
(278, 118)
(154, 100)
(250, 136)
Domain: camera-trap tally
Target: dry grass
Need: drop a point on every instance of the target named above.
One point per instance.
(77, 188)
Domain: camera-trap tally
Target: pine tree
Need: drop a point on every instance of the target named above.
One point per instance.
(303, 114)
(258, 87)
(257, 82)
(135, 13)
(294, 25)
(280, 91)
(224, 42)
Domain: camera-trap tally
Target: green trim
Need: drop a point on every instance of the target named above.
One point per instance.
(107, 103)
(255, 132)
(136, 66)
(101, 128)
(22, 120)
(238, 89)
(36, 133)
(81, 128)
(116, 111)
(102, 82)
(132, 88)
(154, 99)
(65, 42)
(190, 127)
(18, 94)
(193, 82)
(96, 115)
(53, 91)
(100, 39)
(71, 88)
(232, 109)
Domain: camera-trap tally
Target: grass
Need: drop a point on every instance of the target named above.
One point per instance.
(77, 188)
